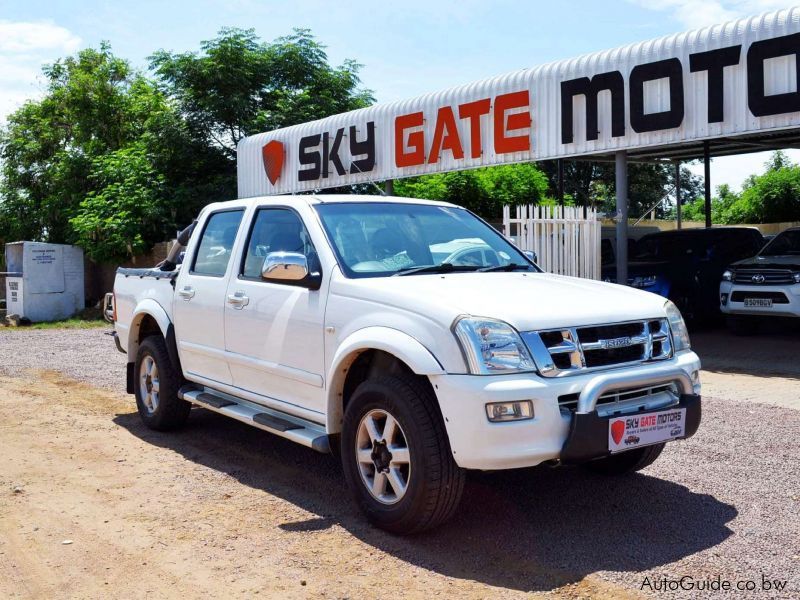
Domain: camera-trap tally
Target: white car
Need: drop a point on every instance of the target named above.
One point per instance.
(767, 285)
(335, 322)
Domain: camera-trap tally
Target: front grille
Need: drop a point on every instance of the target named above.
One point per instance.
(776, 297)
(605, 358)
(763, 276)
(622, 397)
(570, 350)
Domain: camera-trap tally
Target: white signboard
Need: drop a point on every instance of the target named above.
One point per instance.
(43, 268)
(728, 80)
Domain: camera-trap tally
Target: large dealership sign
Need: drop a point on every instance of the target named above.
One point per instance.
(734, 79)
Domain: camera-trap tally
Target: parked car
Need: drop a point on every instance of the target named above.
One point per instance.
(766, 285)
(686, 266)
(339, 322)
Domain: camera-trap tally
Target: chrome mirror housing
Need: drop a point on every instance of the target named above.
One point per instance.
(284, 266)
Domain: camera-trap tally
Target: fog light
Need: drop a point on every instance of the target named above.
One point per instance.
(723, 299)
(509, 411)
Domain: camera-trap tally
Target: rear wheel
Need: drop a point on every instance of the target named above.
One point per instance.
(156, 385)
(396, 457)
(626, 462)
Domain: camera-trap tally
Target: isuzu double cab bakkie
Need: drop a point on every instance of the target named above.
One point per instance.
(410, 338)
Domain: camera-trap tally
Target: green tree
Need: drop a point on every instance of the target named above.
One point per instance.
(771, 197)
(484, 191)
(115, 161)
(127, 211)
(592, 183)
(48, 145)
(238, 85)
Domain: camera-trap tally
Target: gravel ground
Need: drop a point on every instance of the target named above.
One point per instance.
(724, 504)
(87, 355)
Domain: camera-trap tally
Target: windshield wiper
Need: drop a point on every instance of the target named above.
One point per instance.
(509, 267)
(440, 268)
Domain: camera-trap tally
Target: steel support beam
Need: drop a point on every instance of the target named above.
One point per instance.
(622, 216)
(678, 192)
(560, 181)
(707, 176)
(389, 187)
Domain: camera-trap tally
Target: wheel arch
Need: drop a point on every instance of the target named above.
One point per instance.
(367, 350)
(148, 318)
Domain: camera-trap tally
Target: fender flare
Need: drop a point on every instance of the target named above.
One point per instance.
(392, 341)
(146, 308)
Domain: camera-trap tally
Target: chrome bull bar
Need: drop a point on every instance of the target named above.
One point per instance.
(645, 375)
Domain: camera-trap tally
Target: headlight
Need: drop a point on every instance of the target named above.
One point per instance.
(640, 282)
(492, 347)
(796, 277)
(727, 276)
(680, 335)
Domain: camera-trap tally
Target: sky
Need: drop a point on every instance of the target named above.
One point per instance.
(407, 48)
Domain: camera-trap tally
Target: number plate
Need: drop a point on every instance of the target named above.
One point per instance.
(632, 431)
(758, 302)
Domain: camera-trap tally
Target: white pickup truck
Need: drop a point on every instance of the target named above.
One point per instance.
(766, 285)
(410, 338)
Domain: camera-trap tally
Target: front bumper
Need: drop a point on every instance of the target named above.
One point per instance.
(588, 433)
(477, 443)
(790, 309)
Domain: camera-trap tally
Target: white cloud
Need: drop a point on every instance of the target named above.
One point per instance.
(698, 13)
(21, 37)
(24, 48)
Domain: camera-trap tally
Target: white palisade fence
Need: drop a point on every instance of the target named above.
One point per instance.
(566, 239)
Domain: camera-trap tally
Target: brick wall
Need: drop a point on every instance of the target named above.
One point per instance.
(99, 278)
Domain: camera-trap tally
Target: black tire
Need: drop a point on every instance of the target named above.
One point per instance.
(743, 326)
(626, 462)
(434, 483)
(170, 412)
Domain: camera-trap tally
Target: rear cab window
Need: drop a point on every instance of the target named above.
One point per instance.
(216, 243)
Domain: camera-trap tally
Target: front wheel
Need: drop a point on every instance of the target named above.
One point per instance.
(626, 462)
(396, 457)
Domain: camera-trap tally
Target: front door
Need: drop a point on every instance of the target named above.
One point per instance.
(198, 309)
(274, 331)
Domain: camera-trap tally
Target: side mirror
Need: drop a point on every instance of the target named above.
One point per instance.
(289, 267)
(531, 255)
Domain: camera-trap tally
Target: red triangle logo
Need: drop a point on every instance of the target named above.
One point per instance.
(617, 430)
(272, 153)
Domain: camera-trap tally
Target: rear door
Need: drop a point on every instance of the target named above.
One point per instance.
(198, 309)
(274, 331)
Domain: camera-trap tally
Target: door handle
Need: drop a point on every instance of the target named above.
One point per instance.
(187, 293)
(238, 300)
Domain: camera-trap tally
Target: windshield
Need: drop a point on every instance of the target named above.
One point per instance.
(664, 247)
(378, 239)
(784, 243)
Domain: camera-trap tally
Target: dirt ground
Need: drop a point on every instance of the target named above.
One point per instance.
(93, 505)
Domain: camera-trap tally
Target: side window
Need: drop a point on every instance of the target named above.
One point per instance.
(276, 230)
(214, 251)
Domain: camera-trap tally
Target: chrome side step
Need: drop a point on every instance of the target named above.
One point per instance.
(288, 426)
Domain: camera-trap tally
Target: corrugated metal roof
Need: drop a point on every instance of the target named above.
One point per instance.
(739, 131)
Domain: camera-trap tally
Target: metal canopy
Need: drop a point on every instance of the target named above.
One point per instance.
(723, 146)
